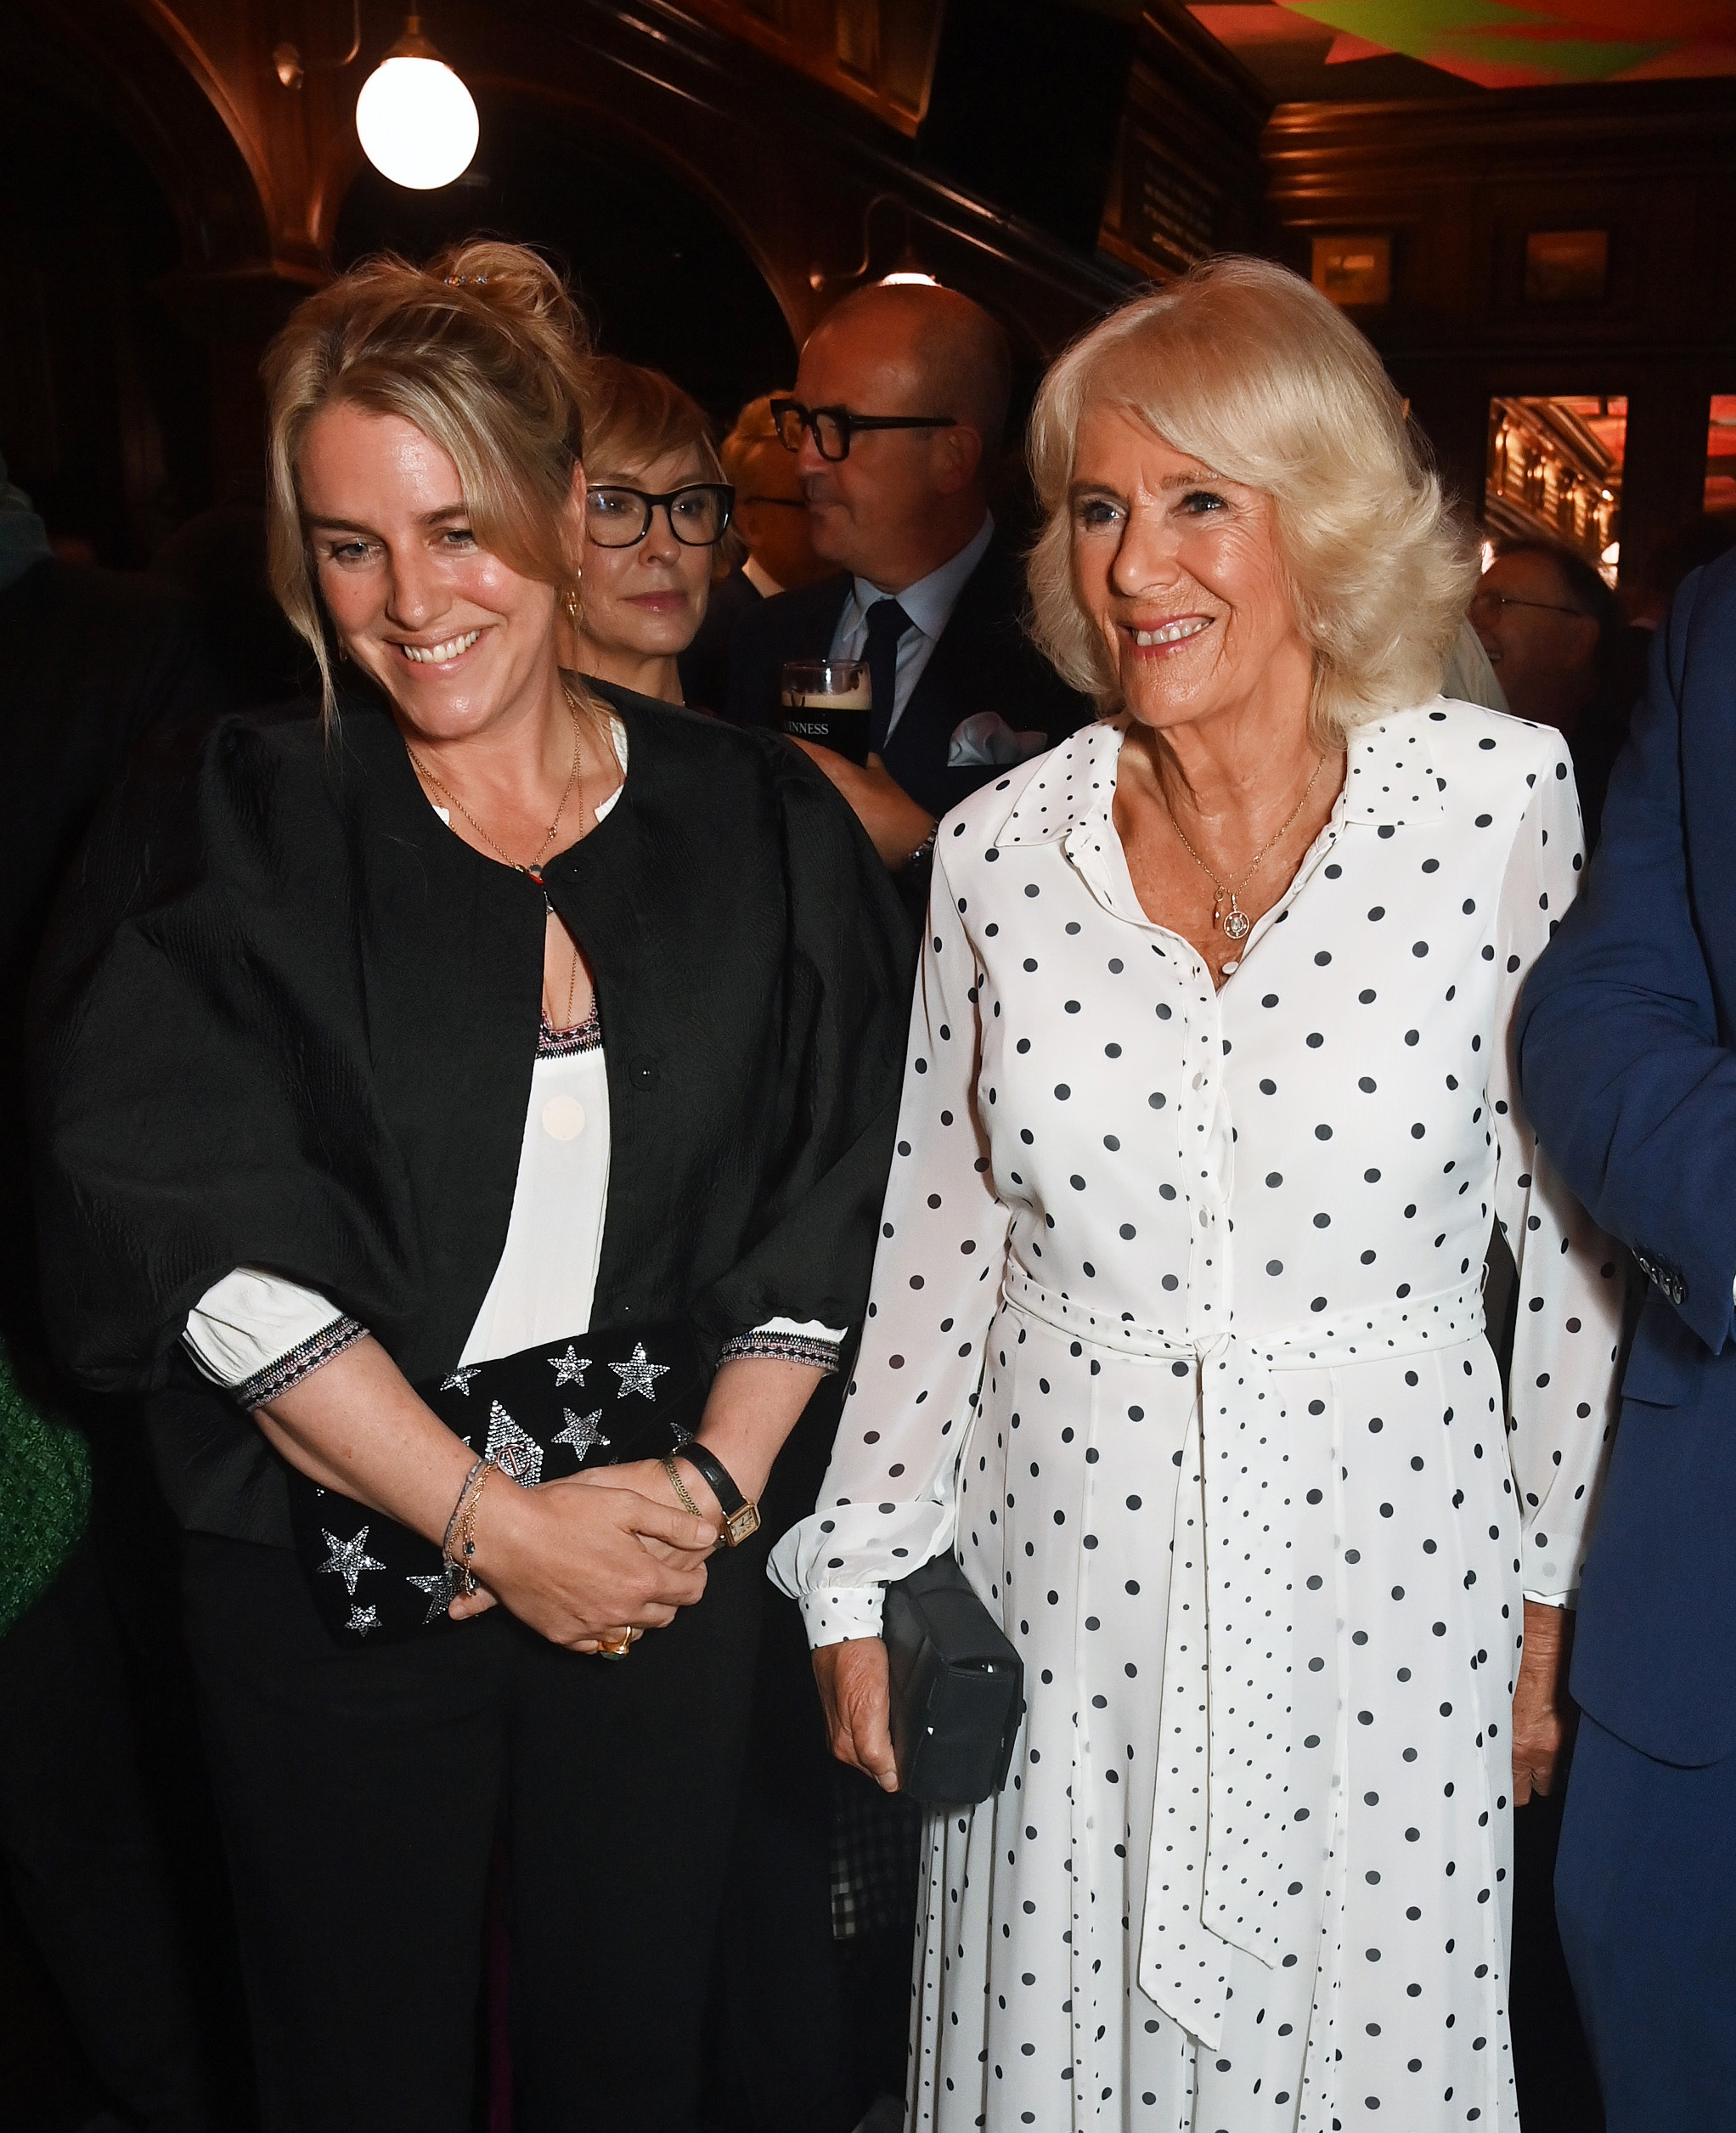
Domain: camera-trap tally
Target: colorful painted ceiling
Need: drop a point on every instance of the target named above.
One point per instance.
(1496, 45)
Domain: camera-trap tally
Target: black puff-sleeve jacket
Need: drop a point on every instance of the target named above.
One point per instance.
(286, 1019)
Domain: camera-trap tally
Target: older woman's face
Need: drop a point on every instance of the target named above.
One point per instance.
(648, 600)
(1179, 571)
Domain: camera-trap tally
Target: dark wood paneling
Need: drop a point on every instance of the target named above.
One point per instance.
(1187, 175)
(1459, 183)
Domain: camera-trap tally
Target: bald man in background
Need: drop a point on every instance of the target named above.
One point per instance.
(926, 590)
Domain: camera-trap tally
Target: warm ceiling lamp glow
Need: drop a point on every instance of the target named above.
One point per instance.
(904, 279)
(417, 120)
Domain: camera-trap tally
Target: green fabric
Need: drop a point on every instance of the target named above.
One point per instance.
(44, 1495)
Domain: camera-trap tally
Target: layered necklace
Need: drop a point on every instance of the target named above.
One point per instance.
(532, 868)
(1227, 911)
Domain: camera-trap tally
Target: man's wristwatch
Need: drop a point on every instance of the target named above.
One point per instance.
(740, 1518)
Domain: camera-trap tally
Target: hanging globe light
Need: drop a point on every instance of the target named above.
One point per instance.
(417, 121)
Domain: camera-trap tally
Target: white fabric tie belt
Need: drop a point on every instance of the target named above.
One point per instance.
(1224, 1825)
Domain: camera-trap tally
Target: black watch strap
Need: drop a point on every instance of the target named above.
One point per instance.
(740, 1518)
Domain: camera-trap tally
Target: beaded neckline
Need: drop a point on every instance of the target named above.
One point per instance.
(565, 1044)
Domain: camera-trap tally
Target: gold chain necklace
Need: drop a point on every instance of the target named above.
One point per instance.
(1236, 924)
(533, 868)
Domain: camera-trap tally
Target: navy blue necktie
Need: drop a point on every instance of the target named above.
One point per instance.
(886, 623)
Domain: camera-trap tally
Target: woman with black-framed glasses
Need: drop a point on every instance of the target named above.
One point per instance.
(657, 508)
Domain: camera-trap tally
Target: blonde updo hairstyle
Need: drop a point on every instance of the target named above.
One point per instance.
(485, 351)
(1247, 367)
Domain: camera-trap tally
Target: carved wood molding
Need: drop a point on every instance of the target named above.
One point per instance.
(880, 53)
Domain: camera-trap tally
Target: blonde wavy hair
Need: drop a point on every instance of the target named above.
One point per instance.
(485, 351)
(1247, 367)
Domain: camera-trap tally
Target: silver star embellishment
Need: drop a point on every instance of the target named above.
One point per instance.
(363, 1619)
(348, 1559)
(441, 1588)
(581, 1432)
(637, 1375)
(570, 1368)
(513, 1450)
(459, 1381)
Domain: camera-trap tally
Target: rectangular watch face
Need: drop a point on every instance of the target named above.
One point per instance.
(743, 1525)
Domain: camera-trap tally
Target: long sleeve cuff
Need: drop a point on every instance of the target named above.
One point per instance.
(1570, 1600)
(790, 1341)
(257, 1335)
(836, 1613)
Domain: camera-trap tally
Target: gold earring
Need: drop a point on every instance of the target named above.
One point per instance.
(572, 605)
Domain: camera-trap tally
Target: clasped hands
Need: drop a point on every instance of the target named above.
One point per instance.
(584, 1557)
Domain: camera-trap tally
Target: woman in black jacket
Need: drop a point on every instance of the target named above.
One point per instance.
(449, 1111)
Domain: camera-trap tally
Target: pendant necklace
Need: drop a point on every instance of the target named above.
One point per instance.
(533, 869)
(1234, 922)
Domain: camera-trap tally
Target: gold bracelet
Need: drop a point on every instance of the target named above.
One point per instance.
(685, 1501)
(467, 1535)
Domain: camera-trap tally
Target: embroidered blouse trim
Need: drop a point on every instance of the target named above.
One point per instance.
(301, 1362)
(565, 1044)
(788, 1347)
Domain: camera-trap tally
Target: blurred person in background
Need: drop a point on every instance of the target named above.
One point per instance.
(655, 507)
(1700, 539)
(1627, 1057)
(92, 1803)
(1559, 646)
(896, 426)
(771, 524)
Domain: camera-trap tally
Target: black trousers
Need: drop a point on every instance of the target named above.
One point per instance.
(360, 1794)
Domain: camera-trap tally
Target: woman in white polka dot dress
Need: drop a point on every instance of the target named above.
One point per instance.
(1176, 1333)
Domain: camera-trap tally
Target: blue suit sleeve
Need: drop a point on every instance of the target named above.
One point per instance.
(1625, 1074)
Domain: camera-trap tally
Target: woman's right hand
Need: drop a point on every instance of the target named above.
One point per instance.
(577, 1561)
(856, 1694)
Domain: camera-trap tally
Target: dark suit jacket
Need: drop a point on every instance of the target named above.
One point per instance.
(1626, 1039)
(705, 665)
(982, 662)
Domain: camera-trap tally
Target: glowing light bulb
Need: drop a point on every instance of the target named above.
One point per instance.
(417, 121)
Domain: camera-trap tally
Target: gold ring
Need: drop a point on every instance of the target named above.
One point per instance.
(615, 1648)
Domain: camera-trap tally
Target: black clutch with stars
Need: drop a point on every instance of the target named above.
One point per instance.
(599, 1399)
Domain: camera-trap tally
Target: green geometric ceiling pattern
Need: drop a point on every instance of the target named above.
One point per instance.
(1503, 44)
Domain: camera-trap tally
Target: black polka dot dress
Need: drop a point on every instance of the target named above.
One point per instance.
(1177, 1337)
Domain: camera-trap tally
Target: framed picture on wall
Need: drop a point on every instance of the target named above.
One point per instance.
(1355, 271)
(1567, 266)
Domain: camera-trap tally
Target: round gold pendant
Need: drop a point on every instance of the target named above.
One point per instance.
(1236, 924)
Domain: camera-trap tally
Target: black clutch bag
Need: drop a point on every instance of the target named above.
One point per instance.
(599, 1399)
(957, 1688)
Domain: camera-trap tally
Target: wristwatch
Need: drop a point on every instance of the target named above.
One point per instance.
(740, 1518)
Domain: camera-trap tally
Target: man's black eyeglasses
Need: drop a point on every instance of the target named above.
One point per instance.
(832, 428)
(1494, 603)
(698, 512)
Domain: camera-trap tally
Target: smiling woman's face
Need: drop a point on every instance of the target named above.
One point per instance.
(456, 637)
(647, 600)
(1179, 571)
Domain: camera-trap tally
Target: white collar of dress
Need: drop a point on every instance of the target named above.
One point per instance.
(1391, 780)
